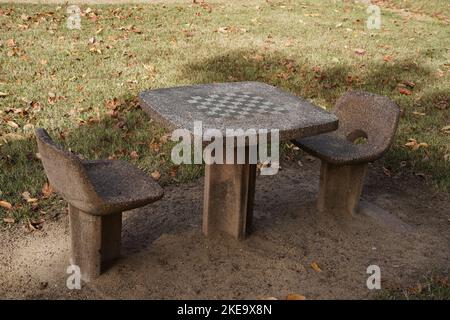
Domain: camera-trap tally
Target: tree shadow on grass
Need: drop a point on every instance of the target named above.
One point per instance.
(125, 133)
(325, 84)
(302, 78)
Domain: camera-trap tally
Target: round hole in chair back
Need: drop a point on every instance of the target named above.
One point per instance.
(357, 137)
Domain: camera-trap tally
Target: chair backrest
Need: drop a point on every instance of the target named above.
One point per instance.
(370, 116)
(66, 173)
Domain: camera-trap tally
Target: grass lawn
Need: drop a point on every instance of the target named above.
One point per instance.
(81, 84)
(431, 288)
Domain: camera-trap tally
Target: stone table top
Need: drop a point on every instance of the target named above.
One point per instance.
(236, 105)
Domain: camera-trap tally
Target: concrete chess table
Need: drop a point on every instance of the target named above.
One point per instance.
(229, 188)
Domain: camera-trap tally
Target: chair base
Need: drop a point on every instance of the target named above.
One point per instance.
(340, 188)
(95, 240)
(228, 199)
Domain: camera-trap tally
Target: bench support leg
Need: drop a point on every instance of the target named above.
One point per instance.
(95, 241)
(228, 199)
(340, 187)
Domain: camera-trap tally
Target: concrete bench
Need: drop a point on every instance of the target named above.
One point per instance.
(97, 192)
(367, 125)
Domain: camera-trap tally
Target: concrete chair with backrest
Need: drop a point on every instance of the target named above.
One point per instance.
(367, 125)
(97, 192)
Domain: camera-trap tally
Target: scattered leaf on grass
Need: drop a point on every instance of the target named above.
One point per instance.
(223, 29)
(27, 196)
(12, 137)
(404, 91)
(360, 51)
(156, 175)
(414, 145)
(409, 84)
(12, 124)
(47, 190)
(173, 171)
(446, 129)
(315, 267)
(5, 204)
(134, 155)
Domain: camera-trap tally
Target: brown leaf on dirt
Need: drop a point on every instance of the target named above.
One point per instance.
(315, 267)
(47, 190)
(33, 225)
(295, 296)
(156, 175)
(5, 204)
(9, 220)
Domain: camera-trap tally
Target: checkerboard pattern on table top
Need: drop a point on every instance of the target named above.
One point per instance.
(234, 105)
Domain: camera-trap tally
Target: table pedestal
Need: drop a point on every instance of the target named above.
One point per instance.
(228, 199)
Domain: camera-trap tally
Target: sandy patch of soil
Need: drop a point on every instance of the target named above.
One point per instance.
(402, 226)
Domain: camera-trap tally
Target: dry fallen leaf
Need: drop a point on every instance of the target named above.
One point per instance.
(12, 124)
(156, 175)
(266, 298)
(360, 51)
(414, 145)
(9, 220)
(223, 29)
(47, 190)
(27, 196)
(5, 204)
(134, 155)
(3, 94)
(388, 58)
(12, 137)
(446, 129)
(404, 91)
(295, 296)
(315, 267)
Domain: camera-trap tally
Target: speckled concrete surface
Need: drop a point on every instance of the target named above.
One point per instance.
(237, 105)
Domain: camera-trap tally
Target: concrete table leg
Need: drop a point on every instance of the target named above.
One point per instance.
(96, 241)
(228, 199)
(340, 187)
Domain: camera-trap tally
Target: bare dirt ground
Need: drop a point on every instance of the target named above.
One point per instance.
(403, 226)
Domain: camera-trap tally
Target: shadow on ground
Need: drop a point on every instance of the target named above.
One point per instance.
(399, 227)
